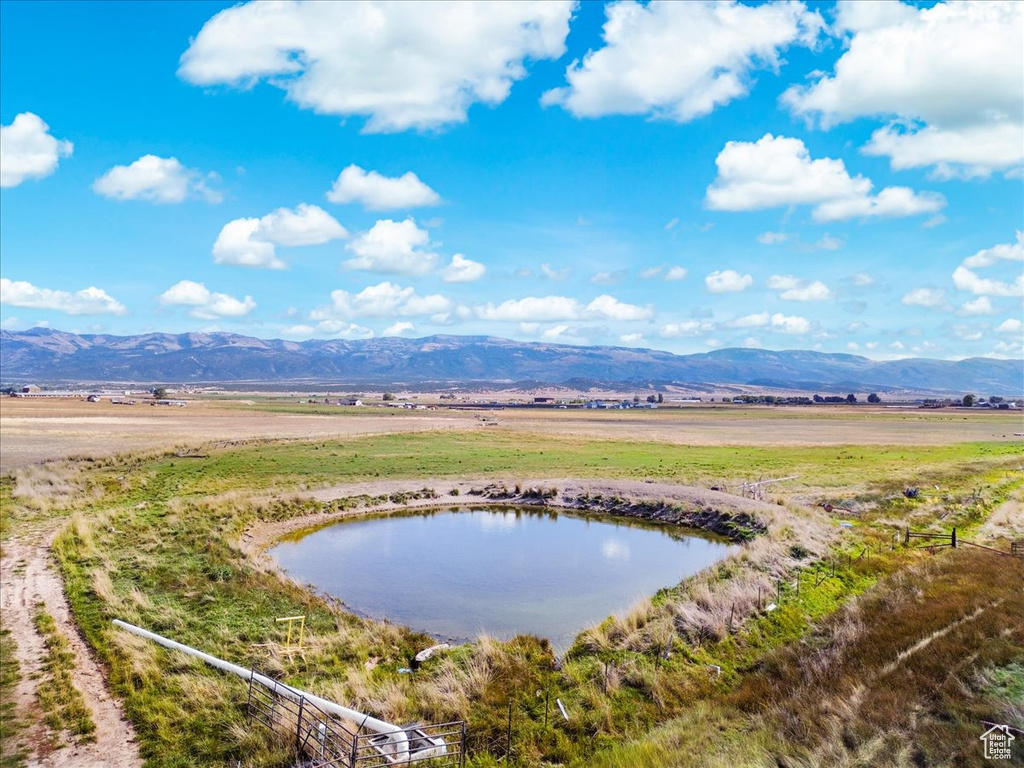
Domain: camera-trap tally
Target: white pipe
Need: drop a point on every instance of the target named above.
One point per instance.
(396, 736)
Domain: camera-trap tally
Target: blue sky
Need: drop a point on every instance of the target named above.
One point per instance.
(683, 176)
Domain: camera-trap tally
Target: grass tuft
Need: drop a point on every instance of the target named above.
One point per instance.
(12, 752)
(64, 708)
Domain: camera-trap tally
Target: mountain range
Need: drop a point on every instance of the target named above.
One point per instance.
(44, 355)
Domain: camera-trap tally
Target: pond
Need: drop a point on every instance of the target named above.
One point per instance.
(460, 573)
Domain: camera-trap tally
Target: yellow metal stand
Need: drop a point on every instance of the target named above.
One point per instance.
(291, 623)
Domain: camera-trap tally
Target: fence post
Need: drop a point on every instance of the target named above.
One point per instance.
(953, 538)
(508, 735)
(298, 726)
(906, 541)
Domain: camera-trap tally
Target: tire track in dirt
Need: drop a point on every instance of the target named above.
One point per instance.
(28, 576)
(924, 642)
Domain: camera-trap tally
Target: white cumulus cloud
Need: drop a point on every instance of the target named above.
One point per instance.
(609, 307)
(968, 280)
(398, 328)
(557, 331)
(392, 247)
(206, 304)
(890, 202)
(727, 281)
(676, 273)
(156, 179)
(609, 277)
(88, 301)
(532, 309)
(988, 257)
(685, 328)
(335, 328)
(680, 60)
(813, 291)
(400, 65)
(385, 299)
(778, 171)
(463, 270)
(251, 242)
(795, 289)
(790, 324)
(28, 151)
(925, 297)
(947, 79)
(306, 225)
(380, 193)
(239, 244)
(1012, 325)
(757, 320)
(979, 306)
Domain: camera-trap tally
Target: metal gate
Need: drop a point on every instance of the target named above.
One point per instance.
(324, 741)
(319, 737)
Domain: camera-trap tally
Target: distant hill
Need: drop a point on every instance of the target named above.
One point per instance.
(47, 355)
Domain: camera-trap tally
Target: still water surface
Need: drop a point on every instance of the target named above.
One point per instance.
(460, 573)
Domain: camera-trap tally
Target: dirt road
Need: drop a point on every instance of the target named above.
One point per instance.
(29, 577)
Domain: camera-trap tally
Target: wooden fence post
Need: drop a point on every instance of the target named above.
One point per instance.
(953, 539)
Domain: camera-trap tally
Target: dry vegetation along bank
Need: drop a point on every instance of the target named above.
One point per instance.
(159, 540)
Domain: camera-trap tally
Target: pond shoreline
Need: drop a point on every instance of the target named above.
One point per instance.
(736, 518)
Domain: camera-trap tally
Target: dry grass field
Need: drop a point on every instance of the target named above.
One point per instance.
(783, 426)
(35, 430)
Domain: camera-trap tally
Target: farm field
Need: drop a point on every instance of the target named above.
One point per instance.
(38, 430)
(162, 517)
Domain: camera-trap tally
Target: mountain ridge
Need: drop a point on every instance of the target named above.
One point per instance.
(51, 355)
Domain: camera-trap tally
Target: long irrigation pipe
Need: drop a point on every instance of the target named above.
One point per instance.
(396, 736)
